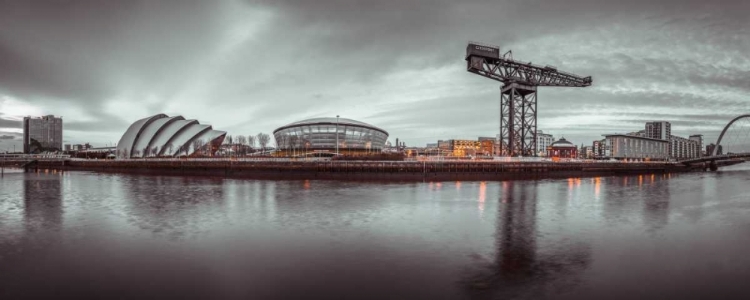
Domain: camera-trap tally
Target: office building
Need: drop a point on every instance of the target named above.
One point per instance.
(622, 146)
(42, 134)
(487, 146)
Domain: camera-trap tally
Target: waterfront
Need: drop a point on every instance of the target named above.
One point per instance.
(645, 236)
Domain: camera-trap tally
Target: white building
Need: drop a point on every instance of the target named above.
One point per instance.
(543, 141)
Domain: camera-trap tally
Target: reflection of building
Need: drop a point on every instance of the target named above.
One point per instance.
(660, 130)
(161, 135)
(627, 146)
(543, 141)
(42, 134)
(321, 134)
(562, 149)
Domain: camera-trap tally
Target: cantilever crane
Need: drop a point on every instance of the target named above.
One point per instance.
(518, 93)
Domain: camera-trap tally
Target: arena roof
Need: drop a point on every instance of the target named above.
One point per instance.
(341, 121)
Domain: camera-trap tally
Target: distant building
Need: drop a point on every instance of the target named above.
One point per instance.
(68, 147)
(543, 141)
(459, 147)
(710, 150)
(487, 145)
(42, 134)
(698, 139)
(682, 148)
(431, 145)
(586, 152)
(640, 133)
(599, 149)
(562, 149)
(660, 130)
(622, 146)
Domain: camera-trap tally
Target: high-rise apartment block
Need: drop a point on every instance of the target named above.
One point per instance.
(661, 130)
(42, 134)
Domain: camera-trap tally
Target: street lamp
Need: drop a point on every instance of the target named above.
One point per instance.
(337, 135)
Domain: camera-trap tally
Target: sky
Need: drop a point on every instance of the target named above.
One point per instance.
(252, 66)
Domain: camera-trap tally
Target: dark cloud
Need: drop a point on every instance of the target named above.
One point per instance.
(249, 66)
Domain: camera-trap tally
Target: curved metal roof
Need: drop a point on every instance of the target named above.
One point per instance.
(341, 121)
(562, 143)
(159, 131)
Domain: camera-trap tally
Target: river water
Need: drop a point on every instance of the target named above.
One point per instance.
(85, 234)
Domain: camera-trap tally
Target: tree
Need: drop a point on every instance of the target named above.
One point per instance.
(251, 141)
(263, 140)
(197, 146)
(146, 151)
(155, 151)
(241, 140)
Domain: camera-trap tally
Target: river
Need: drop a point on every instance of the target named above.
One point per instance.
(85, 234)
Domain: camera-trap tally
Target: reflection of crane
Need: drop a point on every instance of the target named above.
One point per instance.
(518, 93)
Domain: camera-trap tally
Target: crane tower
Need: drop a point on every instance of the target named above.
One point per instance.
(517, 94)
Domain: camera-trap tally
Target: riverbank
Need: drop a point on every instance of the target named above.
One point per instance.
(366, 170)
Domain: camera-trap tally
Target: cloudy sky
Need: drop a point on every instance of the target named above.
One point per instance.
(251, 66)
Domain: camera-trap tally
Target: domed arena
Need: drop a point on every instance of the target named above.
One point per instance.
(319, 136)
(164, 136)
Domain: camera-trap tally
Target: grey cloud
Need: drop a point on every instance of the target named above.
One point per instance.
(7, 137)
(310, 58)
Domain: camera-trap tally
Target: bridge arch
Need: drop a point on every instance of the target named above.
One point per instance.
(718, 142)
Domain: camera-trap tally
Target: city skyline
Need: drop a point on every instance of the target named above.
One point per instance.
(251, 66)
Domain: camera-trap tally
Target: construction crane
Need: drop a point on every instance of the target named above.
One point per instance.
(517, 94)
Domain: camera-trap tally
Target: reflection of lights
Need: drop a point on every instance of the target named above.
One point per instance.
(625, 181)
(482, 195)
(458, 185)
(306, 185)
(640, 180)
(505, 192)
(570, 184)
(438, 185)
(652, 178)
(578, 182)
(597, 186)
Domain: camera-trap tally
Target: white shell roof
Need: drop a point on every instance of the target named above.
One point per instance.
(161, 130)
(150, 131)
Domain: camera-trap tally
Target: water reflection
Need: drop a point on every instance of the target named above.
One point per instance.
(518, 263)
(43, 207)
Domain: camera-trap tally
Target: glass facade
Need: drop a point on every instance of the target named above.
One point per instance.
(42, 134)
(320, 134)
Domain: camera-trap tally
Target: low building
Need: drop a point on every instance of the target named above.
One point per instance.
(487, 146)
(562, 149)
(599, 149)
(622, 146)
(698, 139)
(459, 147)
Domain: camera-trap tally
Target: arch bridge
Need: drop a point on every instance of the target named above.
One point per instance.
(714, 160)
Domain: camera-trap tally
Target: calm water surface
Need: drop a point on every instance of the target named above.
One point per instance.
(80, 234)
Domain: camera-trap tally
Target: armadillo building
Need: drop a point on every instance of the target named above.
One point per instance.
(164, 136)
(320, 135)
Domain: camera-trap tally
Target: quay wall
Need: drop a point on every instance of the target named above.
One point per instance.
(407, 170)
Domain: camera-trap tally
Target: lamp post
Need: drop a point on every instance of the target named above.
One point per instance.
(337, 135)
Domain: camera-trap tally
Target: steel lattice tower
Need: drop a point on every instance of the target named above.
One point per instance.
(518, 93)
